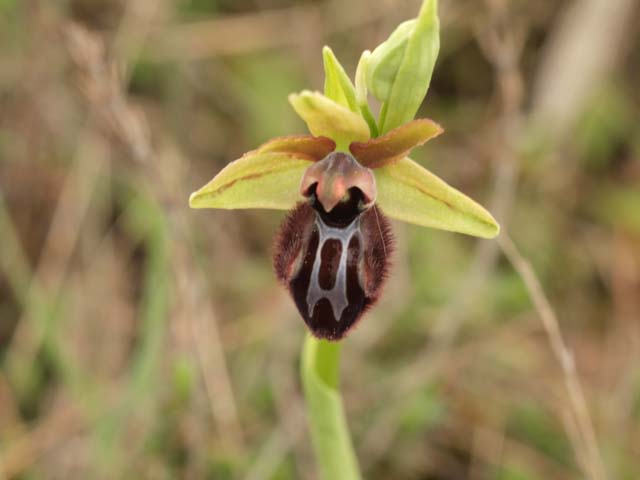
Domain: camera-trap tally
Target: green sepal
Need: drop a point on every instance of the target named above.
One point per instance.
(256, 180)
(408, 192)
(396, 144)
(327, 118)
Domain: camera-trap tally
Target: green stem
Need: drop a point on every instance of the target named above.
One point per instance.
(327, 421)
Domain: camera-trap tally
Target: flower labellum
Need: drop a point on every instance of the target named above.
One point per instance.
(333, 250)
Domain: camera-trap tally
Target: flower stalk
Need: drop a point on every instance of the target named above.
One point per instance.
(320, 369)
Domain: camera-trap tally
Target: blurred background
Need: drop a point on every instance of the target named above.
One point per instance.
(141, 339)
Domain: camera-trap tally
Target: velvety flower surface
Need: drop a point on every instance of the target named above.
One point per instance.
(342, 182)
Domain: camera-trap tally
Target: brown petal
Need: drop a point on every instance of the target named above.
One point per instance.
(315, 147)
(396, 144)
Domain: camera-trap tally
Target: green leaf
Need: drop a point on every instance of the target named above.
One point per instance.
(385, 61)
(337, 84)
(408, 192)
(396, 144)
(329, 432)
(257, 180)
(325, 117)
(400, 69)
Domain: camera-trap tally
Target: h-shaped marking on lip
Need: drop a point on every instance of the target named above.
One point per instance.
(337, 295)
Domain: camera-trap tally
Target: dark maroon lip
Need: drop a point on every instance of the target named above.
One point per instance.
(333, 273)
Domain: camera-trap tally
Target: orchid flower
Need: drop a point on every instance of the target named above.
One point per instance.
(341, 183)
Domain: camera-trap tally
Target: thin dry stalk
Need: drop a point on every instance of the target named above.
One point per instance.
(205, 337)
(502, 45)
(103, 87)
(62, 237)
(100, 83)
(562, 353)
(286, 436)
(60, 423)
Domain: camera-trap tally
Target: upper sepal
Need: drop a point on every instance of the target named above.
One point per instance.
(396, 144)
(325, 117)
(410, 193)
